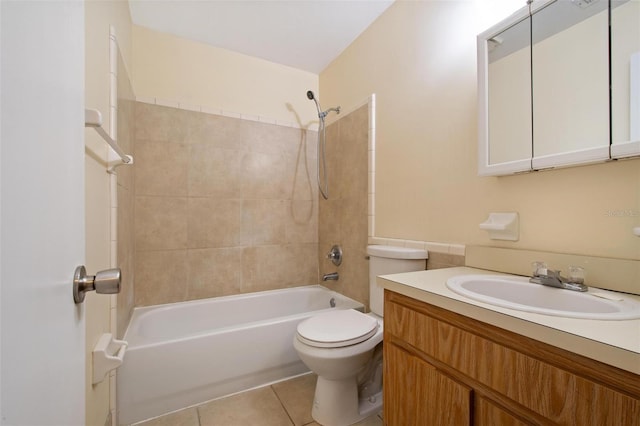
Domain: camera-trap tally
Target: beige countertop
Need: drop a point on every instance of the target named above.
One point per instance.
(615, 343)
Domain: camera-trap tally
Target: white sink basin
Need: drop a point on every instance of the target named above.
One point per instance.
(518, 293)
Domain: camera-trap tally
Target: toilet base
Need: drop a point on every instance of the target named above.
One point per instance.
(336, 403)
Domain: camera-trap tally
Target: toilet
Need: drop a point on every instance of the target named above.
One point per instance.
(344, 346)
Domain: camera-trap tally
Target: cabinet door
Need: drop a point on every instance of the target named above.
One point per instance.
(488, 414)
(416, 393)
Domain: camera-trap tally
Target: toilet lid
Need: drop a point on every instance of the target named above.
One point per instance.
(337, 328)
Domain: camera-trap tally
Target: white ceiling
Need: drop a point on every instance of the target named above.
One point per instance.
(304, 34)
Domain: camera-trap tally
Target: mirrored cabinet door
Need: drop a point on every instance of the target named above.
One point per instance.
(509, 80)
(625, 78)
(504, 97)
(570, 83)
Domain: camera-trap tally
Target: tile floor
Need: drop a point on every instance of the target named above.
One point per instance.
(282, 404)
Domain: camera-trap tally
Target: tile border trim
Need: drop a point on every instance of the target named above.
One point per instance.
(445, 248)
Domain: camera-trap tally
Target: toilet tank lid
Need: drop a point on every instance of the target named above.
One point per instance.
(393, 252)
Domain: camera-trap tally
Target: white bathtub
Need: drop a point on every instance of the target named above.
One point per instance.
(186, 353)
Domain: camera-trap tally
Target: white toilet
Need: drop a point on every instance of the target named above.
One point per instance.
(344, 346)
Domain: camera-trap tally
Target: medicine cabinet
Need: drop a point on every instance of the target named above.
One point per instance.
(545, 98)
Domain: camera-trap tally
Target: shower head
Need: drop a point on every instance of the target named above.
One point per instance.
(312, 97)
(321, 114)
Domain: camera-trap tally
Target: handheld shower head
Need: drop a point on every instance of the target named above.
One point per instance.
(324, 189)
(312, 97)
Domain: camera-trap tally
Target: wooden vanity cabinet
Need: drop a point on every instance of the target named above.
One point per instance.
(442, 368)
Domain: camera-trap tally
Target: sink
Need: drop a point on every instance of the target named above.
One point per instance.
(518, 293)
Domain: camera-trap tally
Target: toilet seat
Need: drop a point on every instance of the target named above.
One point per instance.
(337, 329)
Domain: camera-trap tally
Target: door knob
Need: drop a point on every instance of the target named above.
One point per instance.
(103, 282)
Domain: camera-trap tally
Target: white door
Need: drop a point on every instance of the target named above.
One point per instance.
(42, 211)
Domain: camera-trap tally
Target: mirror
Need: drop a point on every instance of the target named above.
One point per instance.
(543, 80)
(625, 78)
(509, 80)
(570, 81)
(504, 96)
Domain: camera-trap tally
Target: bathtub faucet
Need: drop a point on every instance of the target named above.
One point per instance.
(332, 276)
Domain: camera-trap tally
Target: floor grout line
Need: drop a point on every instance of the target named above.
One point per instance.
(282, 405)
(162, 420)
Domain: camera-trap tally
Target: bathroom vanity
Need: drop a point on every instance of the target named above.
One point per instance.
(453, 361)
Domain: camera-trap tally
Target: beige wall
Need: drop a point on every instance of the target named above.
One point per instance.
(222, 206)
(179, 70)
(99, 15)
(420, 60)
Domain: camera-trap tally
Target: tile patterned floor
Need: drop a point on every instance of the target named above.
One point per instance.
(282, 404)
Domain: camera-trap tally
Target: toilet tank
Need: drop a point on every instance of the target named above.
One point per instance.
(385, 260)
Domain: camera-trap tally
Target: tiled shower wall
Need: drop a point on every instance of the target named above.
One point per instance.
(222, 206)
(343, 217)
(125, 191)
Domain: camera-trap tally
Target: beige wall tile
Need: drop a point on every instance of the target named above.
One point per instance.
(444, 260)
(301, 225)
(125, 255)
(162, 124)
(213, 272)
(354, 134)
(213, 222)
(160, 223)
(264, 222)
(353, 219)
(125, 250)
(301, 169)
(265, 175)
(160, 277)
(126, 134)
(279, 266)
(333, 156)
(268, 138)
(310, 143)
(343, 218)
(217, 131)
(245, 186)
(214, 172)
(329, 224)
(353, 273)
(161, 168)
(302, 266)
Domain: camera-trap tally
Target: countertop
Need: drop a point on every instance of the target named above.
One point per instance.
(616, 343)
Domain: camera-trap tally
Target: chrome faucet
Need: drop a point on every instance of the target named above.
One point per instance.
(552, 278)
(332, 276)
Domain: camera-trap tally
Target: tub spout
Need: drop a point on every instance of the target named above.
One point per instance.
(332, 276)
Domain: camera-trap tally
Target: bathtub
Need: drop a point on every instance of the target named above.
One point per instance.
(187, 353)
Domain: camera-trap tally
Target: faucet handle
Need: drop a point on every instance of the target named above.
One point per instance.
(335, 255)
(576, 274)
(538, 268)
